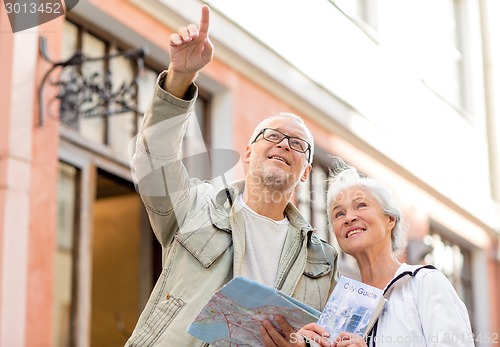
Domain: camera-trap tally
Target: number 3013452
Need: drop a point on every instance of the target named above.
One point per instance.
(33, 7)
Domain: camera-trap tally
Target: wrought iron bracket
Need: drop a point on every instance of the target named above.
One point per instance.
(79, 89)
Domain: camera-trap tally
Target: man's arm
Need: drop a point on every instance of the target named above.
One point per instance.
(159, 173)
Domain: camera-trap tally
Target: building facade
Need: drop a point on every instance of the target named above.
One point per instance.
(407, 91)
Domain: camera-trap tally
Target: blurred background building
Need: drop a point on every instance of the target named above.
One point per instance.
(408, 91)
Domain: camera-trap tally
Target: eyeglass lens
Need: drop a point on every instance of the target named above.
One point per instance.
(295, 143)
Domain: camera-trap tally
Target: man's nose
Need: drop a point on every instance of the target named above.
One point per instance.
(284, 143)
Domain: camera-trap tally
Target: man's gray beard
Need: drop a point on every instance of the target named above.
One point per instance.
(276, 179)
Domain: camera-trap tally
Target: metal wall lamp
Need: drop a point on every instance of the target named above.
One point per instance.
(78, 89)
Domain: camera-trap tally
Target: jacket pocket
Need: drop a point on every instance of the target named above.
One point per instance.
(313, 287)
(158, 320)
(317, 268)
(206, 244)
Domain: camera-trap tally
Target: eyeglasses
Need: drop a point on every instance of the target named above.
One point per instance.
(295, 143)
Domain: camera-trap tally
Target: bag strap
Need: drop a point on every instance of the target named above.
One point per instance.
(373, 331)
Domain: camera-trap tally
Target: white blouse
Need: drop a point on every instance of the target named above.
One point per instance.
(424, 310)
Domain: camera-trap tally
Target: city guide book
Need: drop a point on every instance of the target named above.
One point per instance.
(233, 316)
(353, 307)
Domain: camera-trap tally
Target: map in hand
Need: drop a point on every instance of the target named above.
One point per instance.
(233, 316)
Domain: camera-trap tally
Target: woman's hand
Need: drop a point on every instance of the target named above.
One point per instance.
(316, 333)
(349, 340)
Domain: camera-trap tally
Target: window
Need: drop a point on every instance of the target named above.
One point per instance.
(363, 13)
(197, 143)
(440, 49)
(65, 253)
(111, 75)
(456, 263)
(115, 130)
(354, 8)
(311, 200)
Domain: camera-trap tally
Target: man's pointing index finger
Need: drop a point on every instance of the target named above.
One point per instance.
(205, 20)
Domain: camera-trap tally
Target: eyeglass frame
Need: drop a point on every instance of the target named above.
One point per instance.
(288, 137)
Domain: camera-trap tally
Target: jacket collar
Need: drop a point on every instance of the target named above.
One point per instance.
(227, 196)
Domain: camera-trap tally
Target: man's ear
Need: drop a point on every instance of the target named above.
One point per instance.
(246, 157)
(307, 171)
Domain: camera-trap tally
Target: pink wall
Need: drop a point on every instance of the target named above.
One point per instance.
(6, 41)
(43, 208)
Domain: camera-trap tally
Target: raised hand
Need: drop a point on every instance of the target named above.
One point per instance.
(190, 50)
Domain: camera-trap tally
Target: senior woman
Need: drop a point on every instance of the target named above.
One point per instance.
(422, 306)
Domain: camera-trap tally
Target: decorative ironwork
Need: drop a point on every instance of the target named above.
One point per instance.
(82, 96)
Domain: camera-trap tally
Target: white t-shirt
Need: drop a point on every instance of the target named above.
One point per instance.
(264, 240)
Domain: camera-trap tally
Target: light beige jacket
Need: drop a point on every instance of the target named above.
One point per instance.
(203, 236)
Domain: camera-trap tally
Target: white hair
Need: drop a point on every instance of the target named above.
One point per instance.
(344, 177)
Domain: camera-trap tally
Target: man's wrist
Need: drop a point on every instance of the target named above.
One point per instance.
(177, 83)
